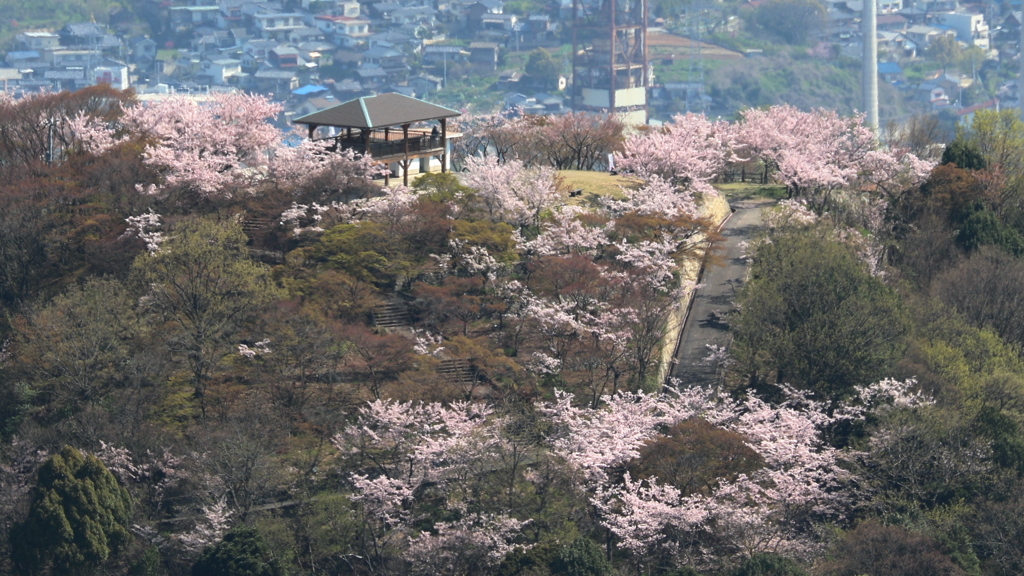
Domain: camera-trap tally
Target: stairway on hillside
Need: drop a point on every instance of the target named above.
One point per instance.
(256, 224)
(391, 314)
(458, 373)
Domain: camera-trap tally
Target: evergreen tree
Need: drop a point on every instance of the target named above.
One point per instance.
(963, 154)
(241, 553)
(769, 565)
(78, 519)
(581, 558)
(543, 67)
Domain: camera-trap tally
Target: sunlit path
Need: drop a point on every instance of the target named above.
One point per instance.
(707, 323)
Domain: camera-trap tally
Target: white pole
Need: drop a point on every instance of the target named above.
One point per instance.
(870, 68)
(1020, 79)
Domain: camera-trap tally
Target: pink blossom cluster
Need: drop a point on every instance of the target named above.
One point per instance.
(474, 542)
(392, 207)
(429, 445)
(812, 151)
(562, 234)
(657, 197)
(788, 213)
(146, 227)
(258, 349)
(422, 443)
(295, 215)
(213, 522)
(689, 152)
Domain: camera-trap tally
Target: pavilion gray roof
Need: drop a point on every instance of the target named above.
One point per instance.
(377, 112)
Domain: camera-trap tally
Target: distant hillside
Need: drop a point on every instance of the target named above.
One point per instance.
(21, 15)
(796, 79)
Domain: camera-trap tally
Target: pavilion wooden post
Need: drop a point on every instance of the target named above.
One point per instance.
(312, 130)
(405, 161)
(444, 144)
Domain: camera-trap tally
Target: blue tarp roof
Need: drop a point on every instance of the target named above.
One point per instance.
(889, 68)
(308, 89)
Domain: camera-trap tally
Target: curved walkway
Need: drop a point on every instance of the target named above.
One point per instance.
(706, 323)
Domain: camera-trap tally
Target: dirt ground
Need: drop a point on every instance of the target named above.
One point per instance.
(662, 45)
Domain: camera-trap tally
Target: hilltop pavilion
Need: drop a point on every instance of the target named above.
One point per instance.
(381, 127)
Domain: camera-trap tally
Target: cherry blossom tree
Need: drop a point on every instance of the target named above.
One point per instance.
(404, 452)
(473, 543)
(580, 141)
(657, 197)
(509, 191)
(486, 135)
(40, 127)
(564, 233)
(761, 511)
(688, 152)
(816, 153)
(147, 227)
(405, 455)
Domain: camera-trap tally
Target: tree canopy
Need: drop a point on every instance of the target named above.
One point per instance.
(813, 316)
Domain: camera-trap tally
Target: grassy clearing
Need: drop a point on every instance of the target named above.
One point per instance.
(735, 191)
(597, 184)
(594, 185)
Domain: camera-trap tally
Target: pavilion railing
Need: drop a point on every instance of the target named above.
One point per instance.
(391, 143)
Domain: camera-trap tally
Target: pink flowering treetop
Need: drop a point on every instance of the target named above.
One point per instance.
(411, 449)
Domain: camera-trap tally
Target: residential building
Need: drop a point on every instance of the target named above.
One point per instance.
(222, 72)
(484, 54)
(970, 28)
(277, 25)
(38, 41)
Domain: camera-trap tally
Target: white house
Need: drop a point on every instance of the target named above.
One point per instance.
(277, 24)
(345, 30)
(38, 40)
(223, 71)
(970, 28)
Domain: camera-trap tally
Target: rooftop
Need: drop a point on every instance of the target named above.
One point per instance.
(377, 112)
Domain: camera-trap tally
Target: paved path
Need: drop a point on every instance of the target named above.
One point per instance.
(704, 325)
